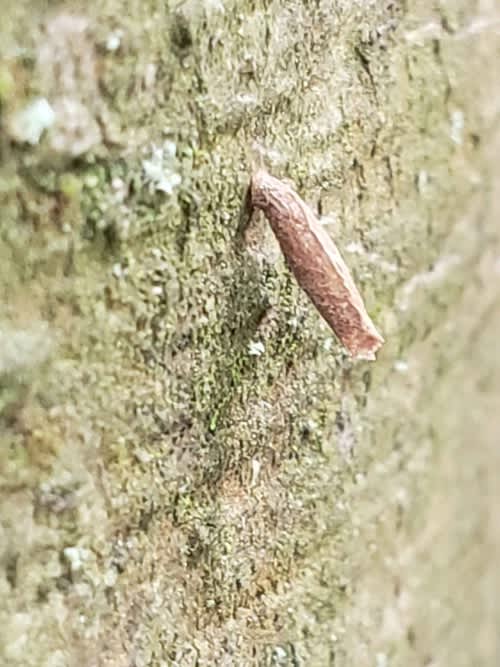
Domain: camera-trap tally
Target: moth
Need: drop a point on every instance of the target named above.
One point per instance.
(316, 263)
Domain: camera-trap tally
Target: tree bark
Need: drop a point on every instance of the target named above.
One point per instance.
(192, 470)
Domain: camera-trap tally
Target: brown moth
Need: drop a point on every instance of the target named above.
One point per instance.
(316, 263)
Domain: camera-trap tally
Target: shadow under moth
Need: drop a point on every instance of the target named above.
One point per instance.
(316, 264)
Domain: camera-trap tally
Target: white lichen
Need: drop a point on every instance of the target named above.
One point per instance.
(457, 126)
(76, 557)
(28, 125)
(256, 466)
(21, 349)
(114, 40)
(160, 169)
(256, 348)
(400, 366)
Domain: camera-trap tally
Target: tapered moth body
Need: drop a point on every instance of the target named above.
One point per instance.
(316, 264)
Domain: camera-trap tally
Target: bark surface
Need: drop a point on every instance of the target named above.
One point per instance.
(192, 471)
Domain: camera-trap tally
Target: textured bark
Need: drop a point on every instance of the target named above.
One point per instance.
(191, 471)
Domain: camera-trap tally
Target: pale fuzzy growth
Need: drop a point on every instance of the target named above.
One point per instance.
(317, 264)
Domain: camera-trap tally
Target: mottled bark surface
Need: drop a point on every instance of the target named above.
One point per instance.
(192, 472)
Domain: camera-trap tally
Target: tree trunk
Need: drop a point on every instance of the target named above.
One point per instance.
(192, 469)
